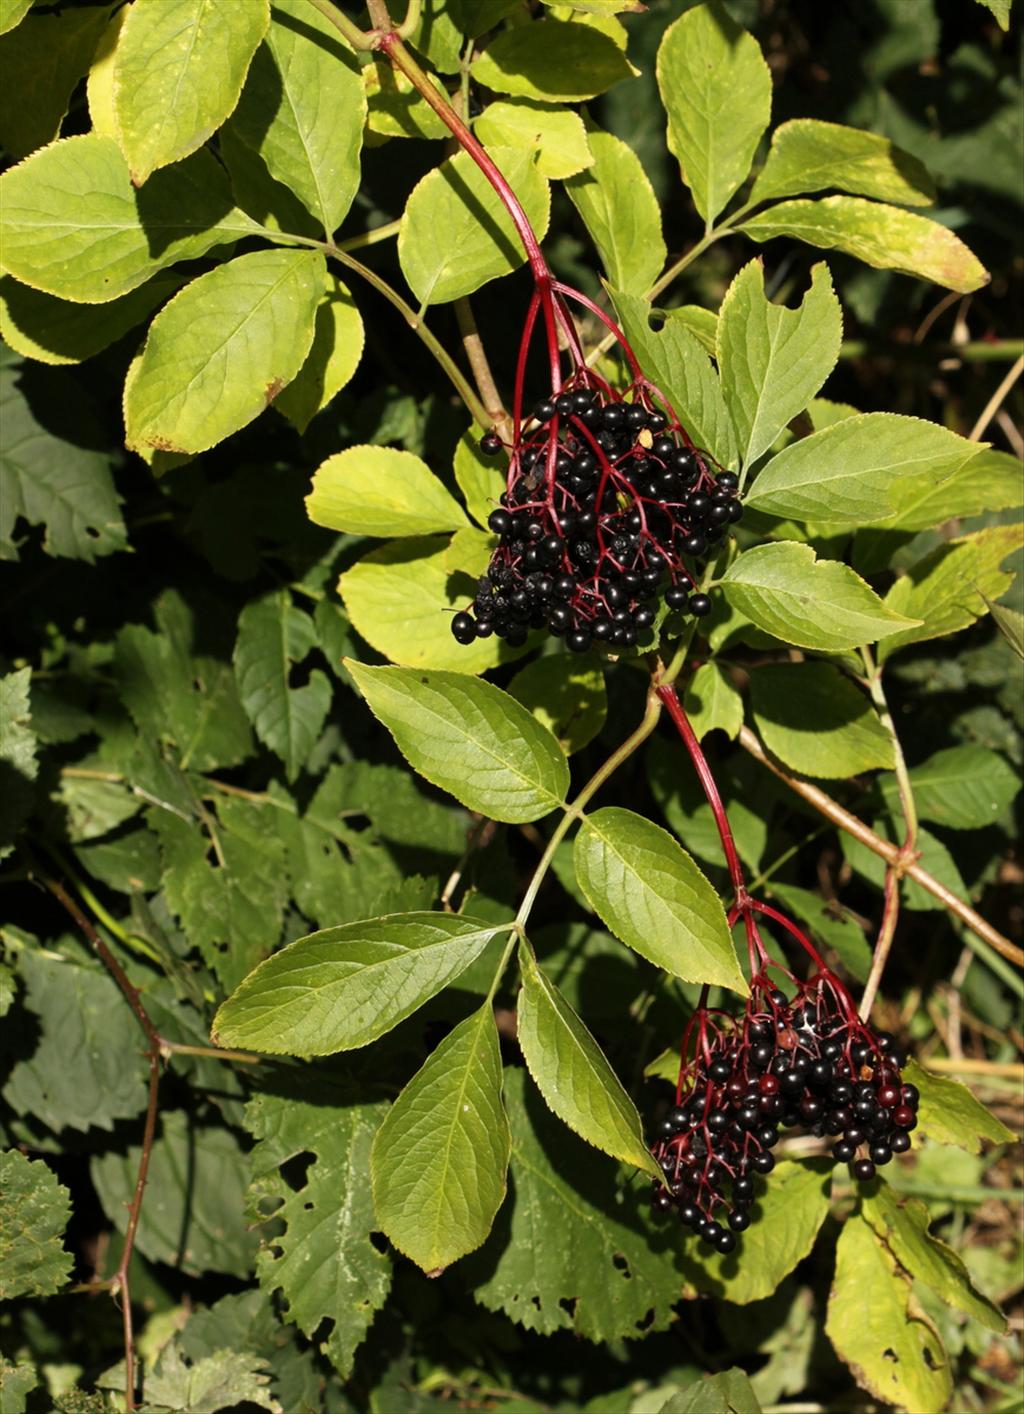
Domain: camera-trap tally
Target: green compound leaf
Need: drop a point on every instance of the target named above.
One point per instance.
(791, 1210)
(882, 236)
(54, 481)
(401, 598)
(469, 738)
(729, 1392)
(615, 198)
(440, 1158)
(610, 1274)
(876, 1327)
(902, 1224)
(338, 338)
(178, 72)
(701, 323)
(650, 893)
(567, 697)
(963, 787)
(34, 1211)
(75, 227)
(228, 1379)
(787, 591)
(953, 585)
(455, 234)
(303, 108)
(550, 59)
(950, 1114)
(573, 1074)
(773, 360)
(557, 134)
(52, 330)
(808, 155)
(42, 63)
(381, 491)
(990, 481)
(345, 986)
(84, 1069)
(194, 1215)
(222, 350)
(273, 636)
(816, 721)
(711, 702)
(859, 469)
(717, 92)
(324, 1262)
(677, 362)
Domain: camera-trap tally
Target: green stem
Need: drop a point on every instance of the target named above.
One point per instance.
(461, 384)
(574, 810)
(975, 351)
(359, 39)
(374, 237)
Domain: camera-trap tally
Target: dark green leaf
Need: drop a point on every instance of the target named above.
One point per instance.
(34, 1211)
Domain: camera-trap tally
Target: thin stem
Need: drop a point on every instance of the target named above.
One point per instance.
(179, 1048)
(894, 869)
(120, 1283)
(374, 237)
(412, 19)
(391, 45)
(996, 401)
(481, 368)
(575, 809)
(842, 818)
(480, 834)
(359, 39)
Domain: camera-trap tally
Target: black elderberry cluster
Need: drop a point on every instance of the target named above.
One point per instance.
(606, 506)
(800, 1064)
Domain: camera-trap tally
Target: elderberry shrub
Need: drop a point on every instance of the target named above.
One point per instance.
(606, 506)
(807, 1063)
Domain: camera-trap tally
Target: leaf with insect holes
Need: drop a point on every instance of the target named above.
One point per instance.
(273, 636)
(882, 236)
(787, 591)
(381, 491)
(470, 738)
(616, 201)
(218, 354)
(75, 227)
(439, 1159)
(879, 1330)
(611, 1274)
(772, 360)
(34, 1211)
(344, 987)
(717, 92)
(902, 1223)
(808, 155)
(573, 1074)
(178, 72)
(324, 1261)
(650, 893)
(456, 235)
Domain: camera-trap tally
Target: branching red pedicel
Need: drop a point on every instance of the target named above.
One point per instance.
(798, 1055)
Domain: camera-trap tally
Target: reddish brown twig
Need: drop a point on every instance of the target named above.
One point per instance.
(119, 1283)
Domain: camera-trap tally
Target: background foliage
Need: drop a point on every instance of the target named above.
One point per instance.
(182, 746)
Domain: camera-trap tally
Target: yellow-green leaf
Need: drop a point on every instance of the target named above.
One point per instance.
(381, 491)
(808, 155)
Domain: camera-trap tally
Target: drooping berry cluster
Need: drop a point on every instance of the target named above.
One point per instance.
(808, 1062)
(607, 506)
